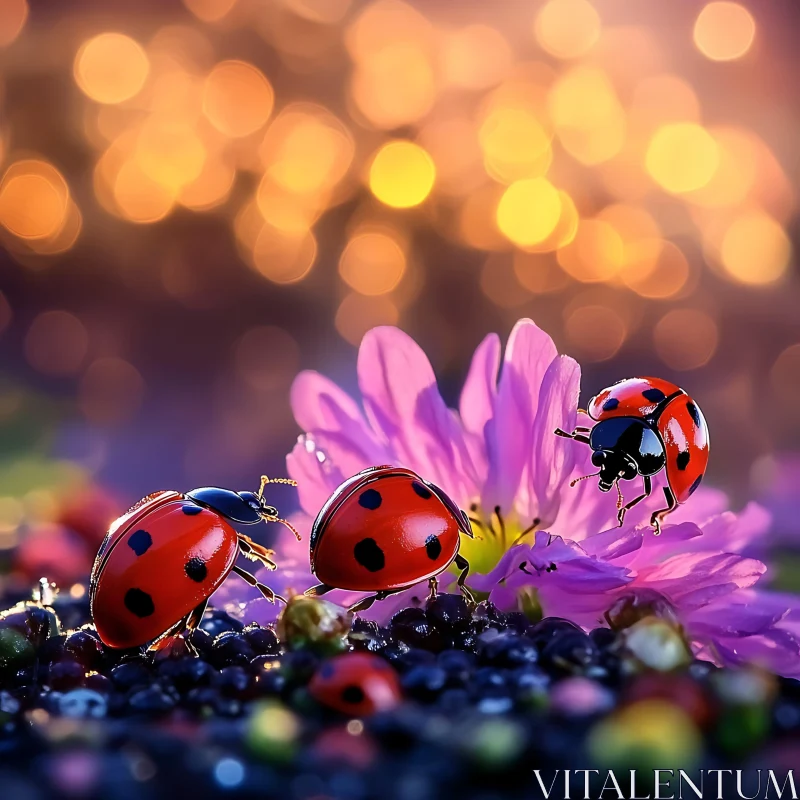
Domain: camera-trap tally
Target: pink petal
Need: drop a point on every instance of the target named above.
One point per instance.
(528, 354)
(402, 401)
(317, 477)
(552, 457)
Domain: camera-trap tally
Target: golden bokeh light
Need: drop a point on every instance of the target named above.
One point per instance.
(597, 253)
(588, 116)
(682, 157)
(515, 144)
(528, 211)
(453, 145)
(306, 149)
(34, 199)
(567, 28)
(565, 230)
(373, 262)
(539, 274)
(282, 257)
(477, 219)
(211, 187)
(294, 214)
(475, 57)
(655, 268)
(139, 198)
(325, 12)
(56, 343)
(402, 174)
(755, 249)
(357, 314)
(237, 98)
(63, 238)
(596, 330)
(111, 68)
(382, 23)
(13, 15)
(686, 338)
(169, 153)
(111, 391)
(724, 31)
(210, 10)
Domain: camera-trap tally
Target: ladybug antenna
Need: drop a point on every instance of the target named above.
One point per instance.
(265, 480)
(285, 522)
(583, 478)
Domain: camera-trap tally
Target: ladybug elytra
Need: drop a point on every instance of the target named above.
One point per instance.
(161, 561)
(357, 684)
(384, 530)
(645, 425)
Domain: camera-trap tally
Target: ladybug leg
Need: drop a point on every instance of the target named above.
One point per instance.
(648, 487)
(463, 565)
(255, 552)
(658, 516)
(262, 587)
(319, 589)
(578, 435)
(363, 605)
(433, 587)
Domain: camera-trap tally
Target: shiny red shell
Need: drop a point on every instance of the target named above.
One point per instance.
(385, 528)
(357, 684)
(157, 563)
(677, 419)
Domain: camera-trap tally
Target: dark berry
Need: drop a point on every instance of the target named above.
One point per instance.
(448, 612)
(457, 665)
(424, 682)
(299, 667)
(65, 675)
(235, 682)
(130, 674)
(217, 622)
(507, 650)
(263, 641)
(542, 632)
(412, 627)
(153, 700)
(53, 649)
(98, 683)
(569, 653)
(517, 621)
(603, 637)
(491, 682)
(83, 703)
(231, 649)
(269, 680)
(84, 648)
(414, 657)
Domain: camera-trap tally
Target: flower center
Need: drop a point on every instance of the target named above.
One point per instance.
(495, 533)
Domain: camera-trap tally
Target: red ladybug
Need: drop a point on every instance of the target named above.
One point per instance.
(161, 561)
(643, 426)
(384, 530)
(357, 684)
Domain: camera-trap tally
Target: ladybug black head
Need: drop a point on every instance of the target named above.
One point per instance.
(246, 508)
(625, 447)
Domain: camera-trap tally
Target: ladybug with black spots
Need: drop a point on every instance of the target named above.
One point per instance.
(645, 425)
(384, 530)
(356, 684)
(161, 561)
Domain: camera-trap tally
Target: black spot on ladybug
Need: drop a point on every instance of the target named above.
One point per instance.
(139, 603)
(196, 569)
(693, 413)
(369, 555)
(683, 459)
(610, 404)
(653, 395)
(353, 694)
(190, 509)
(433, 547)
(693, 487)
(423, 491)
(370, 499)
(140, 541)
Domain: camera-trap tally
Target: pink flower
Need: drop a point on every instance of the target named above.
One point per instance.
(541, 541)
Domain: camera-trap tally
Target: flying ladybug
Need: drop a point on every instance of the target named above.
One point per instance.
(161, 561)
(645, 425)
(384, 530)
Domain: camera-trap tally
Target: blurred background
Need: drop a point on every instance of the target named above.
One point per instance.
(200, 198)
